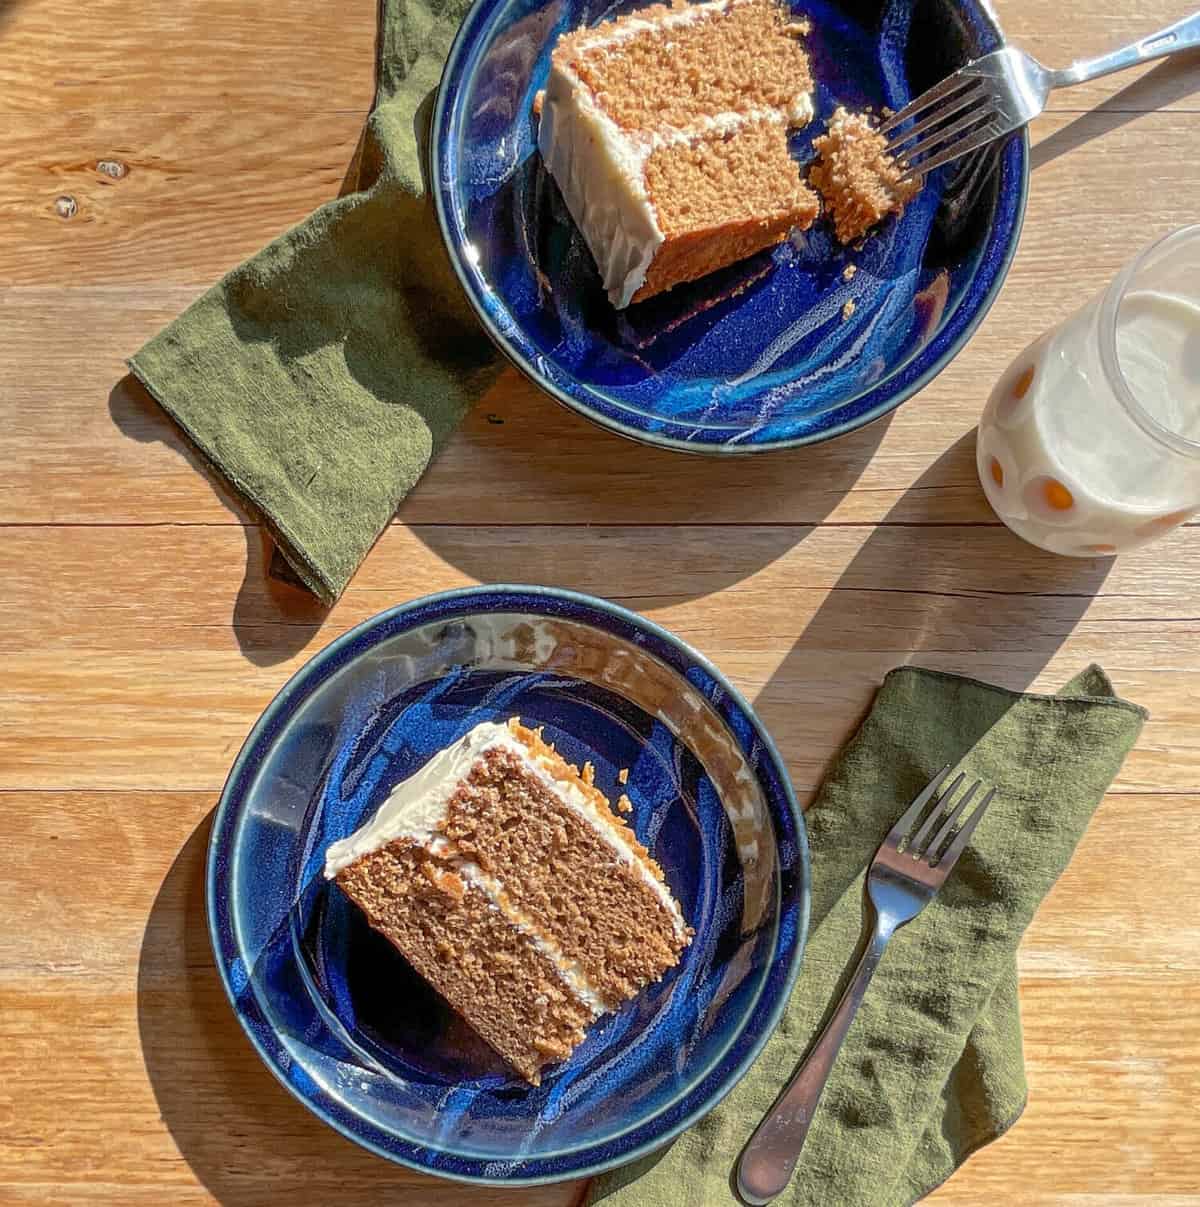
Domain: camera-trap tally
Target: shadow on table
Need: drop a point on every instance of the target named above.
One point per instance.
(745, 490)
(243, 1135)
(971, 599)
(273, 616)
(1173, 80)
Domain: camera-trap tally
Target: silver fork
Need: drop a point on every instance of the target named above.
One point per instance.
(1002, 92)
(904, 877)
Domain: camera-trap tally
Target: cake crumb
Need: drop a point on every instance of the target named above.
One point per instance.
(801, 27)
(857, 175)
(623, 776)
(444, 882)
(539, 99)
(624, 804)
(848, 309)
(849, 271)
(588, 774)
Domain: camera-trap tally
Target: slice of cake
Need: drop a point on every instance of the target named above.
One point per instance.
(666, 131)
(860, 180)
(504, 877)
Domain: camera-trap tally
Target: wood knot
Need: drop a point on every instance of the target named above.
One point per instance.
(66, 206)
(114, 169)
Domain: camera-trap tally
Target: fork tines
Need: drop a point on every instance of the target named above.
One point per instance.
(919, 845)
(948, 120)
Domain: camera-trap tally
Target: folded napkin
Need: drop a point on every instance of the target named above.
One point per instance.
(932, 1068)
(321, 377)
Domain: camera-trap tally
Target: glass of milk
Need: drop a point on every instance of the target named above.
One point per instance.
(1090, 442)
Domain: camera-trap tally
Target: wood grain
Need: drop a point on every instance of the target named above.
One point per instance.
(173, 638)
(140, 636)
(87, 446)
(158, 56)
(233, 181)
(160, 1039)
(226, 55)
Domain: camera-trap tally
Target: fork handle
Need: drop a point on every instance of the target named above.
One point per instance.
(766, 1164)
(1183, 35)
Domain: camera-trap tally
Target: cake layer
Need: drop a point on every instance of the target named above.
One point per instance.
(741, 176)
(535, 840)
(672, 67)
(417, 804)
(721, 200)
(493, 973)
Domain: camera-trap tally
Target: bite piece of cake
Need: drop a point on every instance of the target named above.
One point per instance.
(666, 132)
(858, 177)
(504, 877)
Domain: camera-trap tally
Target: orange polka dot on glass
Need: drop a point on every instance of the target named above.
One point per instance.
(997, 471)
(1100, 550)
(1050, 499)
(1057, 496)
(1021, 388)
(1012, 391)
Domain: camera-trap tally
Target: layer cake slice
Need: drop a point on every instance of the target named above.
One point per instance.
(666, 132)
(505, 878)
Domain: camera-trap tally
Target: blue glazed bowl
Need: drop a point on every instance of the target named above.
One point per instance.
(345, 1023)
(757, 356)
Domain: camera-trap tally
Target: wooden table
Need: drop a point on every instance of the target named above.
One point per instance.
(146, 148)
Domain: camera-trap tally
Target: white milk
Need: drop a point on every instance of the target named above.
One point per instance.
(1063, 457)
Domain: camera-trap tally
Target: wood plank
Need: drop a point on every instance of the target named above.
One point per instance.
(85, 444)
(201, 191)
(168, 642)
(229, 55)
(205, 190)
(1109, 1072)
(127, 848)
(1109, 970)
(155, 57)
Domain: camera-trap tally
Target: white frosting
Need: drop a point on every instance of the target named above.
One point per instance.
(600, 172)
(801, 110)
(416, 806)
(673, 20)
(601, 169)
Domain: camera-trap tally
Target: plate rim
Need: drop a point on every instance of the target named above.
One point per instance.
(730, 446)
(221, 941)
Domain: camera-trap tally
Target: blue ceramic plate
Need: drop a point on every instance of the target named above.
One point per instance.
(758, 355)
(354, 1033)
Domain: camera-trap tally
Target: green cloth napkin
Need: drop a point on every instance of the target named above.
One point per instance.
(321, 377)
(932, 1068)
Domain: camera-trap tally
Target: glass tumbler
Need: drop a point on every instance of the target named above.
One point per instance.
(1090, 442)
